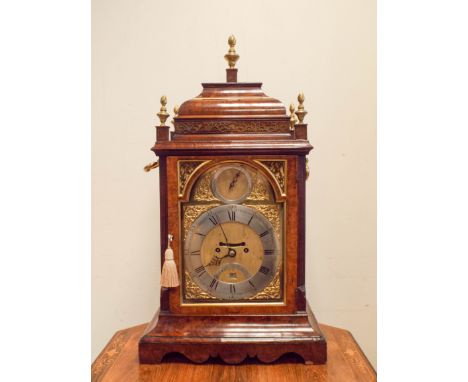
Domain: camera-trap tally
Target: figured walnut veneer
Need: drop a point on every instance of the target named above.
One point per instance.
(237, 122)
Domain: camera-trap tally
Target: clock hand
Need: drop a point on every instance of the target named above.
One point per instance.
(234, 181)
(231, 253)
(222, 244)
(224, 233)
(215, 260)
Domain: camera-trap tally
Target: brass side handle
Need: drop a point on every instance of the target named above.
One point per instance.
(151, 166)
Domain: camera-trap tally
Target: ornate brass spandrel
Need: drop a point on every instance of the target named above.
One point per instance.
(193, 291)
(272, 212)
(277, 169)
(260, 189)
(192, 212)
(202, 189)
(185, 169)
(272, 291)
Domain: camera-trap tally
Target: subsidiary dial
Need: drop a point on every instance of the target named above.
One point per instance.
(231, 184)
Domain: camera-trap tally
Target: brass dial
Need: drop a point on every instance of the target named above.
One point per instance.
(231, 252)
(231, 184)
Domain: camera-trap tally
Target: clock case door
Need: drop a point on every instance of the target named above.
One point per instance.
(200, 165)
(235, 331)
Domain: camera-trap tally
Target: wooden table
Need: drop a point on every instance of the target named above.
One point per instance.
(119, 362)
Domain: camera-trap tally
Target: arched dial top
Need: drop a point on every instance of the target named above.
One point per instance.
(231, 252)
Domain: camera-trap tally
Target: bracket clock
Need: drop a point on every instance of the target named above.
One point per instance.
(232, 200)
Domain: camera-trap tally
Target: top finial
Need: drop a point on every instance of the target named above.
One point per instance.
(301, 112)
(163, 114)
(231, 56)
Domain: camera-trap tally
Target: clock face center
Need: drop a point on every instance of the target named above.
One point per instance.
(232, 252)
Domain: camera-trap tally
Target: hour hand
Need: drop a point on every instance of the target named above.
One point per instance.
(215, 260)
(223, 244)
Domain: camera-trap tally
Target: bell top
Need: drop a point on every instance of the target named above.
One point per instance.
(232, 100)
(231, 107)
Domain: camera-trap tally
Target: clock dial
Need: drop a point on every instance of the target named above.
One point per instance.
(231, 184)
(231, 252)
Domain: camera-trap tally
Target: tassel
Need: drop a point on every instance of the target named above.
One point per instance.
(169, 275)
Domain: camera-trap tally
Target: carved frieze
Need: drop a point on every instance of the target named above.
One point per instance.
(236, 127)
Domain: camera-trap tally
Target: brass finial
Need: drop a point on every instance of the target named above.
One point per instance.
(176, 113)
(293, 119)
(163, 114)
(301, 112)
(231, 56)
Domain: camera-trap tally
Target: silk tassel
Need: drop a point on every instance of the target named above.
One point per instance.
(169, 275)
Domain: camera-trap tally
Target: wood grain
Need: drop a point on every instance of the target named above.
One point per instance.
(119, 362)
(235, 121)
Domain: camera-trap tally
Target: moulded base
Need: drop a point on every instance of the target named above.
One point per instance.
(233, 338)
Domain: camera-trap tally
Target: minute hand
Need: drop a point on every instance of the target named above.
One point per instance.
(224, 233)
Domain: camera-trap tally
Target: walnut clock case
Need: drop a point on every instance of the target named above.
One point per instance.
(232, 200)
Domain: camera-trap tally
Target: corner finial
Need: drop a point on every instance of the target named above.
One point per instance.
(292, 120)
(231, 56)
(163, 114)
(301, 112)
(176, 113)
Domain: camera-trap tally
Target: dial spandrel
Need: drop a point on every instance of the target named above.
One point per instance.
(231, 252)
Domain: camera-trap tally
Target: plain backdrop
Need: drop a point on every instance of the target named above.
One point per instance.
(144, 49)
